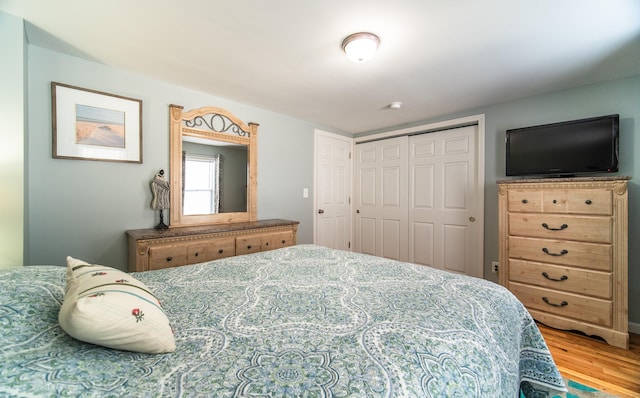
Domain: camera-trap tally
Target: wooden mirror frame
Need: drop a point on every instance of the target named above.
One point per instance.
(199, 123)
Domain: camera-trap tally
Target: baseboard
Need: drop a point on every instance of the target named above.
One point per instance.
(634, 327)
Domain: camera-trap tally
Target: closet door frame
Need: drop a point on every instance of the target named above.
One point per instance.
(477, 269)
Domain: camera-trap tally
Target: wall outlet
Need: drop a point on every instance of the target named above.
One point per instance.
(495, 267)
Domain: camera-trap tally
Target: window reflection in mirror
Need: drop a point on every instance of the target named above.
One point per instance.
(215, 177)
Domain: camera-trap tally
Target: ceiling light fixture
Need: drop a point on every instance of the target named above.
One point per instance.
(360, 47)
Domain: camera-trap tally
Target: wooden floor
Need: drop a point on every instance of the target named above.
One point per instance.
(595, 363)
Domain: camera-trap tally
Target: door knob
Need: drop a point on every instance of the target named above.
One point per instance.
(320, 211)
(472, 219)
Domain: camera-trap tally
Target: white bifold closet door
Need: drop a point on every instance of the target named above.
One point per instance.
(416, 199)
(380, 198)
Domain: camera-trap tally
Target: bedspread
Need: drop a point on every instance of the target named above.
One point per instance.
(299, 321)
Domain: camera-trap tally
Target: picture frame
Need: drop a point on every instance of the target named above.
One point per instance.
(94, 125)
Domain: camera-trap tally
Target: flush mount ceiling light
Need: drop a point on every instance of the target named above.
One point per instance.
(360, 47)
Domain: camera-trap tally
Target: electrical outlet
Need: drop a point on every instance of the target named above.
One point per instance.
(495, 267)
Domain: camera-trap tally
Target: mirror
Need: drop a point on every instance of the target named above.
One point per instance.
(213, 158)
(215, 177)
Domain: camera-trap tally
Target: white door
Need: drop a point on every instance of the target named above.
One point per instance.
(332, 225)
(445, 201)
(380, 198)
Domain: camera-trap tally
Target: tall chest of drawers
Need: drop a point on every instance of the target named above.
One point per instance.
(563, 252)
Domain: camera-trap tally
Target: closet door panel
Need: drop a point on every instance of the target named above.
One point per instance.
(454, 239)
(391, 181)
(421, 187)
(444, 194)
(391, 232)
(455, 180)
(422, 232)
(380, 199)
(366, 230)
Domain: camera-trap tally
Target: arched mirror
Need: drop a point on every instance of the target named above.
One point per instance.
(213, 167)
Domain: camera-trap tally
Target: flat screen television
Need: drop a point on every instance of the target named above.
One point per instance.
(564, 149)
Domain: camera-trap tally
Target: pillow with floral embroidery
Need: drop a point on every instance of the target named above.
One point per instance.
(108, 307)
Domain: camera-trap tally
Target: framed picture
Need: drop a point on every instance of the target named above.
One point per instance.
(92, 125)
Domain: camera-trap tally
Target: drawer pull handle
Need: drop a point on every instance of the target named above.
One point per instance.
(525, 201)
(169, 258)
(249, 247)
(267, 243)
(562, 253)
(588, 201)
(546, 226)
(220, 251)
(562, 278)
(196, 254)
(283, 241)
(562, 304)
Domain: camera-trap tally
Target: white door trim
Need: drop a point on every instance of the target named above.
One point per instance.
(349, 140)
(446, 124)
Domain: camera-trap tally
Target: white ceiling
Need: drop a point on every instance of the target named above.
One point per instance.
(437, 57)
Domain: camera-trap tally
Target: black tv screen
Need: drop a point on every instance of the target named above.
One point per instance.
(564, 149)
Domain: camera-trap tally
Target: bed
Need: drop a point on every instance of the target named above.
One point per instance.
(303, 321)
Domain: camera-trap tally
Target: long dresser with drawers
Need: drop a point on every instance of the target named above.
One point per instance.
(563, 252)
(151, 249)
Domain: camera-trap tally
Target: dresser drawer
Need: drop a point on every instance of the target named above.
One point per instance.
(524, 200)
(248, 244)
(588, 309)
(567, 279)
(196, 253)
(590, 201)
(575, 201)
(164, 256)
(597, 256)
(276, 241)
(220, 248)
(553, 226)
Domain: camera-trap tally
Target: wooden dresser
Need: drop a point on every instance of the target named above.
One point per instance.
(563, 252)
(151, 249)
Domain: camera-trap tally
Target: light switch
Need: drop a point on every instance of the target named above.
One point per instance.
(305, 193)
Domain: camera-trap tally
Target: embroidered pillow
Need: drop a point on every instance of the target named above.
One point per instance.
(108, 307)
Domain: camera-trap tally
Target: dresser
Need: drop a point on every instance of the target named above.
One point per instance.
(151, 249)
(563, 252)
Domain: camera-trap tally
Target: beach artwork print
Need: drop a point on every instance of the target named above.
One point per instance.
(100, 126)
(93, 125)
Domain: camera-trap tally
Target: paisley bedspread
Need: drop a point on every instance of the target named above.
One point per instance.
(302, 321)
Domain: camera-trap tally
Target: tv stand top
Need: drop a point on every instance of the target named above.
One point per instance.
(563, 178)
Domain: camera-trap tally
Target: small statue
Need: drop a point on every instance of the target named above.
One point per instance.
(160, 189)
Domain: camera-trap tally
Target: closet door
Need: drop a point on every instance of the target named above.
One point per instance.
(445, 210)
(380, 198)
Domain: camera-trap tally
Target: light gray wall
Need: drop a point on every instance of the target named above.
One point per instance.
(12, 117)
(82, 208)
(620, 96)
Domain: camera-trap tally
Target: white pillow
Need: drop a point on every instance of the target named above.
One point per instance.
(108, 307)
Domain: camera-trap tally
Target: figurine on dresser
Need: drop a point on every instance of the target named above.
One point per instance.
(160, 189)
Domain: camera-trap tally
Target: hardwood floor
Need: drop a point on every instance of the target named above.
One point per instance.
(594, 362)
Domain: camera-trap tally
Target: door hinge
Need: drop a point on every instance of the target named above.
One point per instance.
(349, 199)
(349, 155)
(349, 245)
